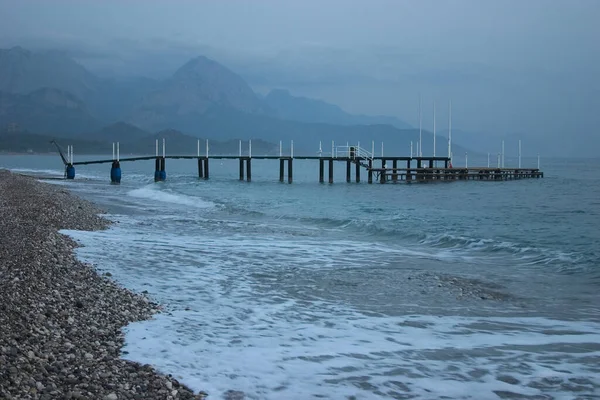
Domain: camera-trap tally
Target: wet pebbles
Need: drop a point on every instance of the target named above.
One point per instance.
(60, 322)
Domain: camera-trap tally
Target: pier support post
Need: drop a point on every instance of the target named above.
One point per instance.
(370, 172)
(248, 169)
(115, 172)
(241, 169)
(157, 165)
(321, 170)
(70, 171)
(290, 170)
(281, 168)
(431, 164)
(357, 171)
(331, 170)
(348, 171)
(206, 168)
(395, 173)
(408, 171)
(200, 168)
(163, 169)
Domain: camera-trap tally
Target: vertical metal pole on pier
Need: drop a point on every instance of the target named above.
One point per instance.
(332, 149)
(156, 147)
(503, 154)
(207, 150)
(118, 152)
(519, 153)
(372, 148)
(164, 148)
(292, 150)
(466, 160)
(498, 160)
(198, 147)
(320, 149)
(280, 149)
(240, 149)
(419, 152)
(381, 149)
(488, 160)
(538, 160)
(411, 149)
(113, 150)
(434, 128)
(250, 148)
(450, 130)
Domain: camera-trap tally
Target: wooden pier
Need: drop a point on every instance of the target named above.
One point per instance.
(393, 169)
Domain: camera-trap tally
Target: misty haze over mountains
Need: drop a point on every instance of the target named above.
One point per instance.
(514, 70)
(202, 99)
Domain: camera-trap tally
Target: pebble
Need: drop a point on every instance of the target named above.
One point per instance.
(60, 320)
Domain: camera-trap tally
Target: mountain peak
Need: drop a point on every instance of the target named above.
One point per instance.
(23, 71)
(196, 87)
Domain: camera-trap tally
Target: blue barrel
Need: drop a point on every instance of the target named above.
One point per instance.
(115, 172)
(156, 176)
(70, 171)
(115, 175)
(163, 175)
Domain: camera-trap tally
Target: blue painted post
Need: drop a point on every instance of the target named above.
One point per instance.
(115, 172)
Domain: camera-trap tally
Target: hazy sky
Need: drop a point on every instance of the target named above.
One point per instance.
(510, 67)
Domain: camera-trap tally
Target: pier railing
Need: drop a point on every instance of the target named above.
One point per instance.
(352, 152)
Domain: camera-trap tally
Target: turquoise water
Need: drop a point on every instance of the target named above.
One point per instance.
(463, 289)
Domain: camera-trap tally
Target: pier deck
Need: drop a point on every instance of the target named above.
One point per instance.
(356, 159)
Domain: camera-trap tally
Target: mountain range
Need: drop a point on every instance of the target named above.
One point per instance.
(49, 93)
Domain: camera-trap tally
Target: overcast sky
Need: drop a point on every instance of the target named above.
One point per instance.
(524, 67)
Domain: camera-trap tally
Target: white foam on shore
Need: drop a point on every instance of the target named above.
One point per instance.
(152, 192)
(245, 314)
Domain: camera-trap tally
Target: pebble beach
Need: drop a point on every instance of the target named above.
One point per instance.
(60, 321)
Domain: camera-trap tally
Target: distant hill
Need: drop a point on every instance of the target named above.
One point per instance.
(46, 110)
(121, 132)
(114, 100)
(197, 86)
(304, 109)
(27, 142)
(202, 99)
(23, 71)
(100, 143)
(227, 124)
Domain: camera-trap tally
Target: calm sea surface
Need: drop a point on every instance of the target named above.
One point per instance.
(478, 290)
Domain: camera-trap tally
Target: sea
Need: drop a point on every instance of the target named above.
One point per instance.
(460, 290)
